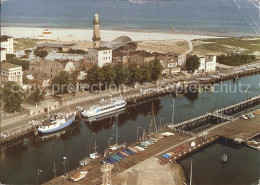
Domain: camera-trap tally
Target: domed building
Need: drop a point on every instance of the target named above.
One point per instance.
(121, 44)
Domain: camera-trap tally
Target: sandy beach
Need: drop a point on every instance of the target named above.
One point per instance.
(86, 35)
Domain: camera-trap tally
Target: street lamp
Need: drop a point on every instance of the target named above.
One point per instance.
(38, 174)
(137, 133)
(64, 163)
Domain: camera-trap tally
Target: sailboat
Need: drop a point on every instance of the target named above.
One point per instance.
(94, 155)
(190, 175)
(115, 146)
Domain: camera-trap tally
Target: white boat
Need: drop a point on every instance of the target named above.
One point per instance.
(94, 155)
(104, 107)
(253, 144)
(58, 122)
(85, 161)
(79, 175)
(46, 31)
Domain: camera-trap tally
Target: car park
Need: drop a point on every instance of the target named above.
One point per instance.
(243, 117)
(250, 115)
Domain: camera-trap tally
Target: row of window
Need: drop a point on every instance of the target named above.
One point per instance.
(105, 58)
(13, 73)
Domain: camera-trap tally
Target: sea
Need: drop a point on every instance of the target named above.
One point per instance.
(228, 17)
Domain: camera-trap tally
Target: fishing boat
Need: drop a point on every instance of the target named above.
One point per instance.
(79, 175)
(104, 106)
(57, 122)
(253, 144)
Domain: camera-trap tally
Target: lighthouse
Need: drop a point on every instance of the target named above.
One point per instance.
(96, 31)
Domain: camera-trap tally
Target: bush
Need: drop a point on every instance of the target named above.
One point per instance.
(235, 59)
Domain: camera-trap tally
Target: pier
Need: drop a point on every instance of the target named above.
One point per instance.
(218, 115)
(180, 145)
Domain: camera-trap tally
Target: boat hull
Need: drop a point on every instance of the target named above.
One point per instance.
(68, 123)
(102, 112)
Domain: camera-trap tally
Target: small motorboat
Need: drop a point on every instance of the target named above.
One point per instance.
(79, 175)
(253, 144)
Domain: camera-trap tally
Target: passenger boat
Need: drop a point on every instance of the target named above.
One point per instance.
(104, 107)
(253, 144)
(57, 122)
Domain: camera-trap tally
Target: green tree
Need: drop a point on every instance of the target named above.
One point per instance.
(192, 63)
(12, 97)
(61, 82)
(74, 76)
(156, 70)
(40, 53)
(37, 93)
(109, 74)
(122, 74)
(94, 76)
(135, 73)
(146, 73)
(27, 52)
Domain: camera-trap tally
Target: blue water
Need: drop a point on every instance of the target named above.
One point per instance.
(233, 17)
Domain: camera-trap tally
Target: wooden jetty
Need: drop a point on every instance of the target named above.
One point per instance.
(218, 115)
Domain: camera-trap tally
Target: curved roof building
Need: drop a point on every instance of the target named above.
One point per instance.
(123, 43)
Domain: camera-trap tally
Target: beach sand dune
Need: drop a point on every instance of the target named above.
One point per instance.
(86, 35)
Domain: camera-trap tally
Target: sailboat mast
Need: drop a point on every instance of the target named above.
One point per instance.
(172, 109)
(116, 129)
(190, 172)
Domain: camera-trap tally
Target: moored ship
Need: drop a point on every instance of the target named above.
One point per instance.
(57, 122)
(104, 106)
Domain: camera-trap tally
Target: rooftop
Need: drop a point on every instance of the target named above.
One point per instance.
(102, 48)
(142, 53)
(4, 38)
(118, 42)
(55, 45)
(6, 66)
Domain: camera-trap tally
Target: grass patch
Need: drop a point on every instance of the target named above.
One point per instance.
(241, 45)
(236, 59)
(22, 44)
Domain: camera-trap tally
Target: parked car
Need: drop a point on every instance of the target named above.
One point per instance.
(243, 117)
(250, 115)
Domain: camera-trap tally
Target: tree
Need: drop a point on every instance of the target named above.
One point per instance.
(146, 73)
(109, 74)
(61, 82)
(122, 74)
(12, 97)
(156, 70)
(192, 63)
(74, 76)
(40, 53)
(27, 52)
(38, 94)
(135, 73)
(94, 76)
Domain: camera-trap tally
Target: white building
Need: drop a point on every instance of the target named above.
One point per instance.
(7, 43)
(100, 56)
(11, 72)
(208, 64)
(3, 54)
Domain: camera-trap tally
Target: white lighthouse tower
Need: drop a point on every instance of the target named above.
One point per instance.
(96, 31)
